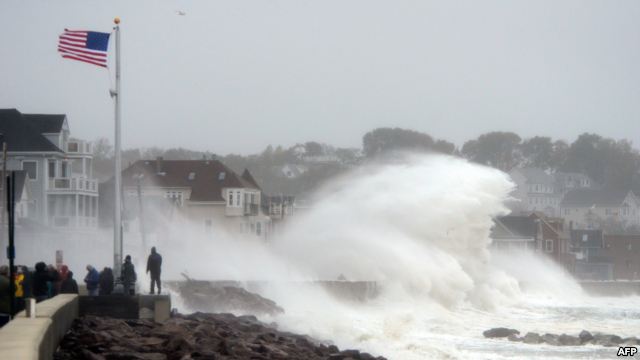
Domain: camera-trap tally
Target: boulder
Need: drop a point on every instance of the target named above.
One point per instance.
(532, 338)
(500, 332)
(568, 340)
(551, 339)
(515, 338)
(585, 336)
(606, 340)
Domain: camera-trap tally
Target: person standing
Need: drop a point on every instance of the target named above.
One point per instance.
(128, 276)
(154, 264)
(41, 279)
(5, 299)
(106, 281)
(92, 280)
(69, 284)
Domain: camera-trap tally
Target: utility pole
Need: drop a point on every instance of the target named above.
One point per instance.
(10, 183)
(141, 214)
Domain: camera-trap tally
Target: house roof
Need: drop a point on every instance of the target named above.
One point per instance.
(586, 238)
(536, 176)
(46, 123)
(518, 226)
(21, 134)
(205, 178)
(594, 197)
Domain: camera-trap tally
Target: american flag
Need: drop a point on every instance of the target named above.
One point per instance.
(88, 46)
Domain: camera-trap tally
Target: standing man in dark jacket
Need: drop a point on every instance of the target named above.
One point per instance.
(154, 264)
(106, 281)
(129, 276)
(40, 278)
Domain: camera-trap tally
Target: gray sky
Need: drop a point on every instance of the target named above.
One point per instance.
(235, 75)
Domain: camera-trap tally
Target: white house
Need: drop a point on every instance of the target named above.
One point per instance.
(586, 208)
(205, 192)
(59, 188)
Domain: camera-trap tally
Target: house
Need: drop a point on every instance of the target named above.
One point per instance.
(515, 232)
(204, 192)
(541, 191)
(555, 239)
(59, 188)
(279, 206)
(591, 260)
(535, 191)
(535, 232)
(589, 208)
(623, 252)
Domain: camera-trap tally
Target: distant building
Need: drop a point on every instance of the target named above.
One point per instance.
(588, 208)
(623, 252)
(591, 260)
(538, 190)
(205, 192)
(535, 232)
(59, 189)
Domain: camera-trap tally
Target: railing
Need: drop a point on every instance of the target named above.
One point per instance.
(73, 184)
(250, 209)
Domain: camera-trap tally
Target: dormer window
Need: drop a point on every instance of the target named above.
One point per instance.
(192, 175)
(221, 176)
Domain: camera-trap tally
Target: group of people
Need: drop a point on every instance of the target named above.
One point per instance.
(47, 281)
(103, 283)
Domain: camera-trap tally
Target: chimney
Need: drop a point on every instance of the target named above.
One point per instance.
(159, 164)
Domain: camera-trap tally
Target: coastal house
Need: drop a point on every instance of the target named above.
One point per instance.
(515, 232)
(204, 192)
(591, 260)
(535, 232)
(535, 191)
(58, 187)
(623, 252)
(589, 208)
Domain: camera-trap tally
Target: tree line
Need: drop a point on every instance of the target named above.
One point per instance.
(609, 162)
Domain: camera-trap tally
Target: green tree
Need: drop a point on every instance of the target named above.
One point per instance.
(496, 149)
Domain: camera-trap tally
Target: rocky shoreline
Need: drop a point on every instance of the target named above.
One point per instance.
(584, 338)
(195, 336)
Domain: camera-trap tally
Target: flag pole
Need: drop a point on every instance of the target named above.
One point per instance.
(117, 226)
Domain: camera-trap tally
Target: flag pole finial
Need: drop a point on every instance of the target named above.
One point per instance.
(116, 20)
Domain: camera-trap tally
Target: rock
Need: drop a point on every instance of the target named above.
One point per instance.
(585, 336)
(631, 341)
(532, 338)
(606, 340)
(205, 296)
(568, 340)
(514, 337)
(196, 336)
(551, 339)
(500, 332)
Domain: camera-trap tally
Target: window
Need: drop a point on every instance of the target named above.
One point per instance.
(192, 175)
(31, 167)
(230, 198)
(237, 198)
(65, 169)
(221, 176)
(52, 169)
(548, 245)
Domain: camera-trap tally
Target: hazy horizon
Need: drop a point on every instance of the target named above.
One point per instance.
(236, 76)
